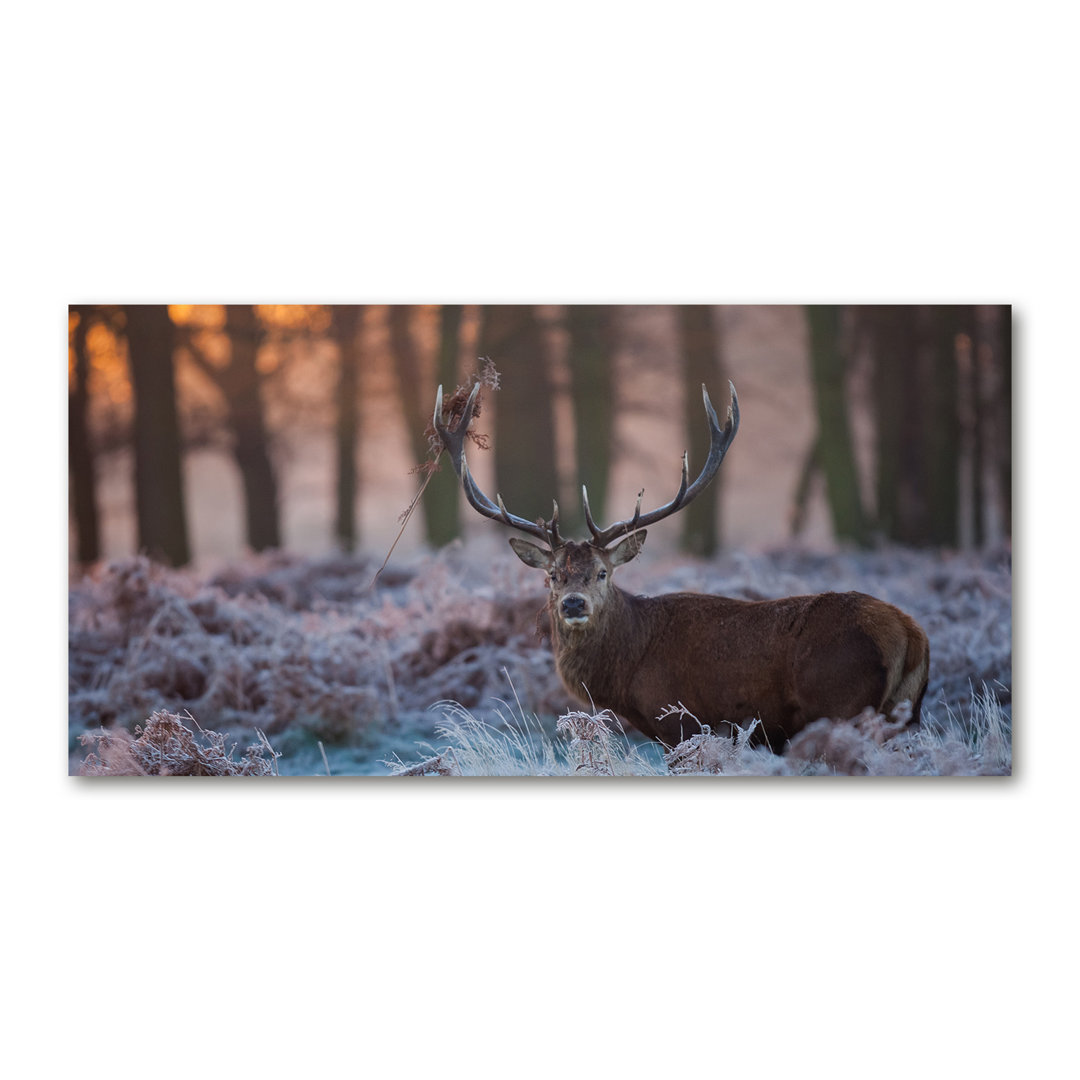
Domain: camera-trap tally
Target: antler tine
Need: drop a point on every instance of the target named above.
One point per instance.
(454, 444)
(720, 440)
(553, 526)
(588, 513)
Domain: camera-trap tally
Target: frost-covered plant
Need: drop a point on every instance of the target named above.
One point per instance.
(590, 740)
(520, 746)
(304, 650)
(709, 753)
(165, 746)
(869, 745)
(875, 745)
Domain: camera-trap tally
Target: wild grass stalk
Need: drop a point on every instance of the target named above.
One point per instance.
(978, 743)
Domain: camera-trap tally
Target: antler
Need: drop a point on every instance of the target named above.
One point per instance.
(720, 441)
(454, 443)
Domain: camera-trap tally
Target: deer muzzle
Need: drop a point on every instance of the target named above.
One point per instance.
(574, 609)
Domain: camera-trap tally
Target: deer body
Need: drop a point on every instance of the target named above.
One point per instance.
(785, 662)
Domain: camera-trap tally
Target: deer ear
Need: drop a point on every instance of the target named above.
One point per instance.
(530, 554)
(628, 548)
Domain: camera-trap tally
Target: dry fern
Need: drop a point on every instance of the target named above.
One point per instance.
(166, 747)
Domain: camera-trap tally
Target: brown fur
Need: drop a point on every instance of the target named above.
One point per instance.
(787, 662)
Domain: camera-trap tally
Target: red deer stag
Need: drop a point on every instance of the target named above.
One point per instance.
(787, 662)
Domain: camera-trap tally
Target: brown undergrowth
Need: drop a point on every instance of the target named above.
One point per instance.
(592, 744)
(165, 746)
(300, 649)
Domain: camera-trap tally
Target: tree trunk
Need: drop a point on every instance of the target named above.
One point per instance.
(591, 328)
(993, 422)
(417, 399)
(702, 365)
(441, 503)
(969, 499)
(942, 433)
(900, 394)
(347, 321)
(525, 467)
(159, 491)
(834, 449)
(80, 453)
(1004, 332)
(243, 395)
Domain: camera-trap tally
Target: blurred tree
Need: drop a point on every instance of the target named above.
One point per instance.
(240, 384)
(347, 319)
(80, 450)
(441, 498)
(967, 431)
(1002, 341)
(942, 431)
(942, 414)
(417, 397)
(702, 363)
(525, 464)
(983, 359)
(159, 491)
(591, 330)
(833, 451)
(993, 380)
(903, 388)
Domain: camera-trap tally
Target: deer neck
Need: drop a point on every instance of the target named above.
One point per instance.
(602, 656)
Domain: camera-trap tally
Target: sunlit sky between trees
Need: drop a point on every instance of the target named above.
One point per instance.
(275, 404)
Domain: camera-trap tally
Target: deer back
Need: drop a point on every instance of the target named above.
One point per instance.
(725, 661)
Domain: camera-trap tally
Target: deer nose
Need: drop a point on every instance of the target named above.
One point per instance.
(573, 606)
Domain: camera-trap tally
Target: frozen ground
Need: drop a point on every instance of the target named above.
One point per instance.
(302, 651)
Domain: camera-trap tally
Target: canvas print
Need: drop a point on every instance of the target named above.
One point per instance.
(458, 540)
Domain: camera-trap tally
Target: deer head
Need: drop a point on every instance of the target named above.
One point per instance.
(578, 575)
(579, 572)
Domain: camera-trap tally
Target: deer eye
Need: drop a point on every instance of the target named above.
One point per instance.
(602, 575)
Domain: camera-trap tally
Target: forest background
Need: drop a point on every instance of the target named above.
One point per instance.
(201, 432)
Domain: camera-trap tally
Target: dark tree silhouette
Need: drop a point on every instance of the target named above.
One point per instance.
(983, 358)
(241, 387)
(591, 328)
(702, 364)
(901, 388)
(942, 431)
(347, 319)
(441, 507)
(80, 451)
(159, 490)
(942, 416)
(1002, 342)
(244, 394)
(525, 466)
(833, 451)
(440, 497)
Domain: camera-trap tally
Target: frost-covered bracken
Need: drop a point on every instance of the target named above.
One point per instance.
(868, 745)
(167, 746)
(302, 650)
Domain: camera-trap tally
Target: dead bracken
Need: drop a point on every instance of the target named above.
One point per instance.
(294, 647)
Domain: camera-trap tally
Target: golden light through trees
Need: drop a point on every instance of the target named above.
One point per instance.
(264, 433)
